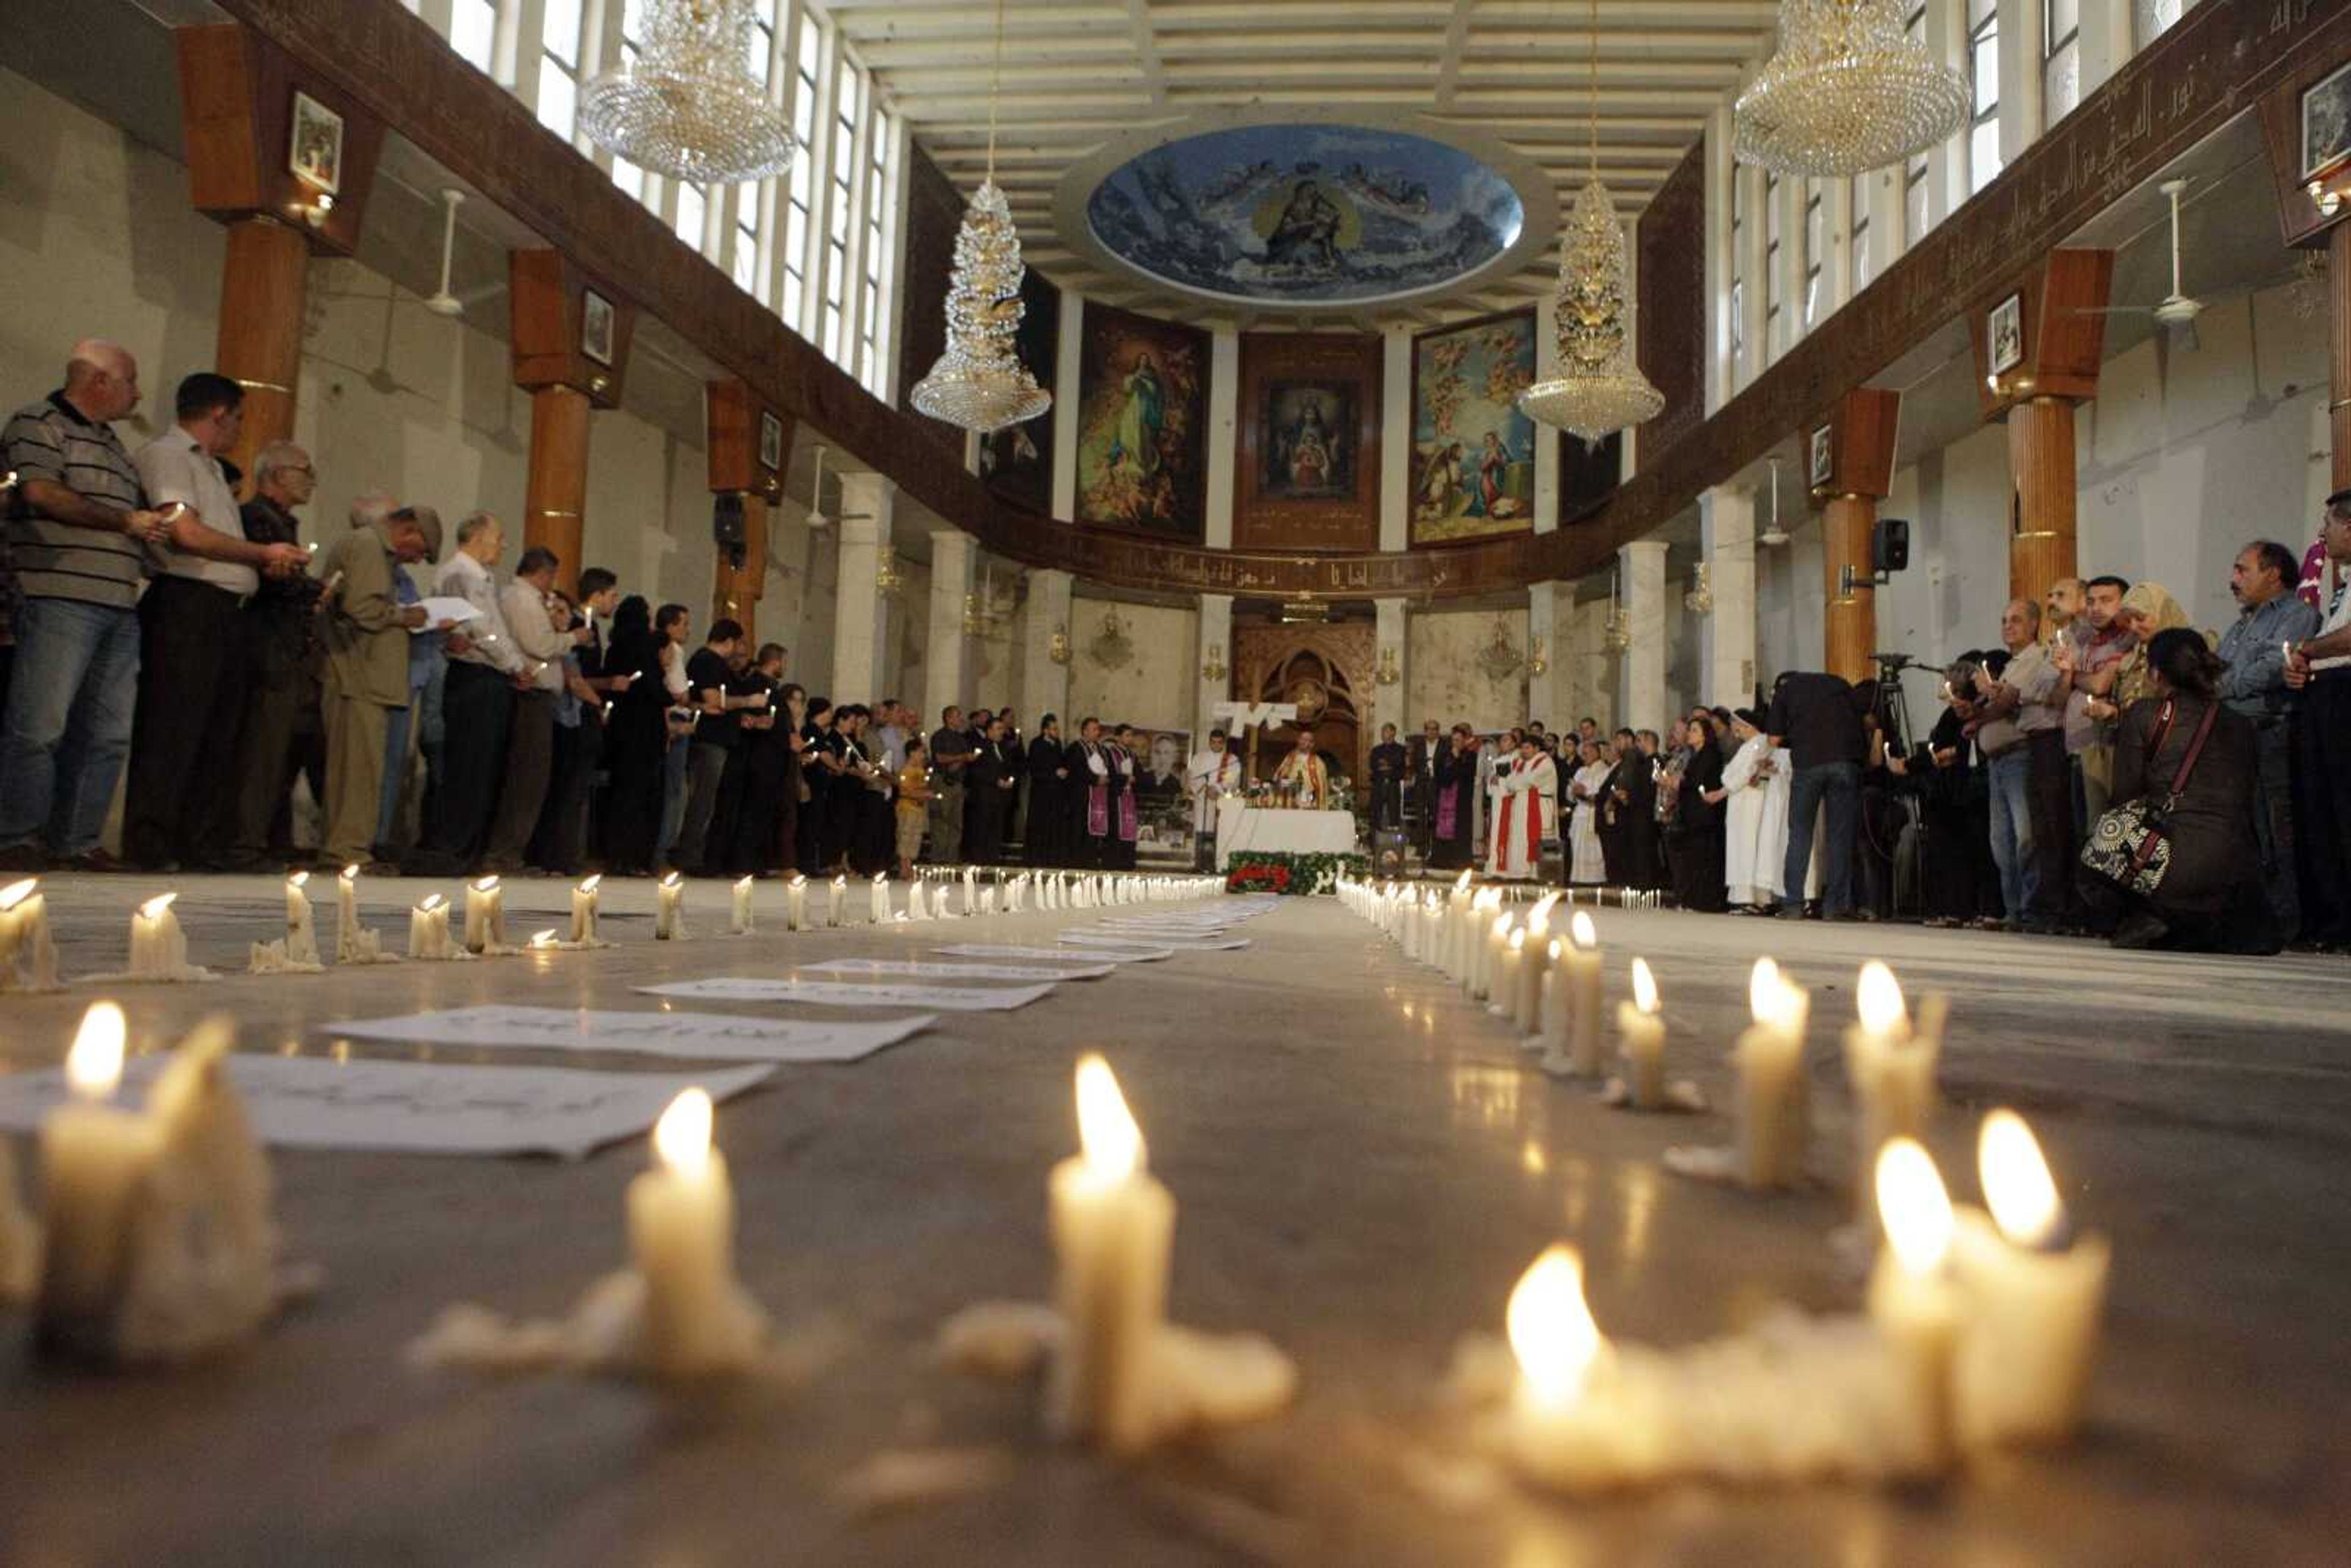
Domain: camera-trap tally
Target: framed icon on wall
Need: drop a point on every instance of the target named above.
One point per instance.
(315, 152)
(1821, 465)
(771, 441)
(2326, 123)
(596, 328)
(2005, 333)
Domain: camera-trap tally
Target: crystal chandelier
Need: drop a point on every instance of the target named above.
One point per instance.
(1848, 90)
(979, 382)
(1598, 388)
(687, 108)
(1498, 658)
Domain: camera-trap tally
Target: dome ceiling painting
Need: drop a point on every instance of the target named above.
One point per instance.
(1308, 214)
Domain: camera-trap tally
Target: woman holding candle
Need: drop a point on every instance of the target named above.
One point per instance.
(633, 742)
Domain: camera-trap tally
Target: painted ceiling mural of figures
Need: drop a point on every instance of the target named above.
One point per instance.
(1319, 214)
(1473, 453)
(1142, 403)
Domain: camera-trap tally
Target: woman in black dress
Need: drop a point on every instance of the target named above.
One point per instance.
(633, 742)
(1695, 829)
(819, 766)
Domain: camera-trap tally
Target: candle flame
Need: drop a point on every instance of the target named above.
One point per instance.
(1879, 998)
(674, 879)
(349, 873)
(1539, 917)
(1106, 1129)
(487, 884)
(1552, 1334)
(799, 879)
(433, 901)
(297, 880)
(837, 882)
(1463, 885)
(15, 893)
(1913, 1206)
(1645, 986)
(1518, 940)
(682, 1137)
(1776, 1002)
(593, 884)
(1501, 926)
(543, 938)
(94, 1065)
(1554, 950)
(153, 908)
(1585, 934)
(878, 876)
(2016, 1182)
(743, 884)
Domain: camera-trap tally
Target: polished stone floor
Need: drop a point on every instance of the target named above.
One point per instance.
(1365, 1166)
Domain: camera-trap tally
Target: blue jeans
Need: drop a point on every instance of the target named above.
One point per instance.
(673, 817)
(2011, 829)
(68, 723)
(1839, 783)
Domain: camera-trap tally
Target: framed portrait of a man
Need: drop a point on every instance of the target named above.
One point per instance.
(316, 154)
(1820, 467)
(596, 328)
(2004, 334)
(771, 441)
(2326, 123)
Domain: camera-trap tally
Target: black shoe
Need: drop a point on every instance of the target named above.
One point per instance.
(23, 857)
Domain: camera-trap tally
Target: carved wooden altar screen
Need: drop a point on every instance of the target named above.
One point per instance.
(1327, 671)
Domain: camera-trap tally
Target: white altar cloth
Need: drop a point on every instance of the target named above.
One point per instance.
(1240, 826)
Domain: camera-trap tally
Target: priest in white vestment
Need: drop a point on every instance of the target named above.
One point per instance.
(1526, 812)
(1755, 818)
(1586, 863)
(1209, 776)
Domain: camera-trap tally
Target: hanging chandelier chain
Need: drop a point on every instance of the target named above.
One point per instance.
(995, 88)
(1592, 103)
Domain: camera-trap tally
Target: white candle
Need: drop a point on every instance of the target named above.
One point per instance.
(915, 908)
(159, 949)
(1495, 935)
(28, 957)
(1507, 969)
(584, 899)
(681, 1236)
(1575, 1418)
(1641, 1035)
(988, 899)
(94, 1155)
(1526, 1004)
(970, 901)
(485, 916)
(836, 897)
(740, 923)
(879, 912)
(1113, 1227)
(1914, 1304)
(2034, 1294)
(796, 903)
(1774, 1097)
(669, 909)
(302, 935)
(1891, 1068)
(354, 944)
(542, 942)
(428, 929)
(1572, 1038)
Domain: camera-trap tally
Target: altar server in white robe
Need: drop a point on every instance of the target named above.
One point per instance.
(1526, 812)
(1755, 820)
(1586, 864)
(1208, 776)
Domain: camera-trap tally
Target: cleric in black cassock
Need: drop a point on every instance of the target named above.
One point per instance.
(1088, 816)
(1047, 841)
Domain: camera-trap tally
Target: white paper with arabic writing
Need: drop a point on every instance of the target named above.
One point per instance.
(853, 994)
(700, 1037)
(416, 1107)
(1058, 954)
(1113, 940)
(1073, 967)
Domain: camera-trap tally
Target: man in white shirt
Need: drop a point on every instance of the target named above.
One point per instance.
(1208, 776)
(531, 741)
(477, 704)
(193, 636)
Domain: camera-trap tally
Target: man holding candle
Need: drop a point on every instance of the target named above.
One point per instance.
(281, 643)
(477, 701)
(366, 630)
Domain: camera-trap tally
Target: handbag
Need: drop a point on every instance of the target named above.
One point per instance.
(2130, 844)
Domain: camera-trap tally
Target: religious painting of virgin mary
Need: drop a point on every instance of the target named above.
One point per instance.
(1307, 451)
(1142, 405)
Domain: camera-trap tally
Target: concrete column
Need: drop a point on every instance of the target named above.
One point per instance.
(1224, 433)
(861, 619)
(1721, 172)
(1886, 241)
(2107, 42)
(1551, 608)
(1591, 668)
(2020, 48)
(946, 650)
(1069, 369)
(1546, 501)
(1393, 632)
(1727, 637)
(1396, 439)
(1215, 642)
(1044, 684)
(1946, 165)
(1752, 356)
(1836, 246)
(1790, 271)
(1641, 677)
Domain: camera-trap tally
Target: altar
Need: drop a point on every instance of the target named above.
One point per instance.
(1242, 827)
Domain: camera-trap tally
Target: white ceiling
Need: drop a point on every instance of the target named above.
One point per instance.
(1081, 73)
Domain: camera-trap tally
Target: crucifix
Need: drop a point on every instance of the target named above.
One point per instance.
(1254, 717)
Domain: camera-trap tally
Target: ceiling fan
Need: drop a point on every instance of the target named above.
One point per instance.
(2177, 311)
(818, 518)
(444, 303)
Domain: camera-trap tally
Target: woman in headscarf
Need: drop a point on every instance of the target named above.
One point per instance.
(2147, 608)
(633, 741)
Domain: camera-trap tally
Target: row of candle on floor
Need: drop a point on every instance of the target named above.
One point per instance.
(159, 946)
(158, 1244)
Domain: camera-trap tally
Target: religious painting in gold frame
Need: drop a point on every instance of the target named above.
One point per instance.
(1473, 450)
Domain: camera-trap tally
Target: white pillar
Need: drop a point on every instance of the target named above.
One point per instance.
(2107, 42)
(1721, 172)
(1044, 684)
(1392, 633)
(2020, 48)
(1224, 433)
(1643, 675)
(1217, 644)
(947, 651)
(1946, 164)
(1727, 637)
(1396, 440)
(1546, 497)
(861, 620)
(1551, 612)
(1836, 245)
(1789, 273)
(1753, 352)
(1591, 668)
(1069, 370)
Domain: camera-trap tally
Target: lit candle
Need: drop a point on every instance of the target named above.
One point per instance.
(542, 941)
(1575, 1420)
(1774, 1097)
(1112, 1226)
(1510, 962)
(1916, 1305)
(1526, 1007)
(988, 899)
(1891, 1067)
(836, 898)
(20, 1237)
(739, 923)
(916, 909)
(28, 957)
(485, 916)
(160, 1242)
(428, 929)
(796, 903)
(879, 900)
(970, 899)
(1572, 1041)
(669, 909)
(681, 1236)
(301, 936)
(1496, 936)
(2034, 1294)
(354, 944)
(1641, 1035)
(158, 949)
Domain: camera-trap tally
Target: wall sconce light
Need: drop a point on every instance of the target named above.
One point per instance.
(2327, 197)
(1538, 660)
(1699, 600)
(1212, 668)
(887, 579)
(1057, 648)
(1388, 674)
(319, 207)
(1619, 634)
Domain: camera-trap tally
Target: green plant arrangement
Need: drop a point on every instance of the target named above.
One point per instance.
(1270, 871)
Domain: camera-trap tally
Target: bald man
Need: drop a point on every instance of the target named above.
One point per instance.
(80, 544)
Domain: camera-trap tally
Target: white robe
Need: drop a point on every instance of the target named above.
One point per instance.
(1205, 776)
(1527, 792)
(1590, 864)
(1755, 825)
